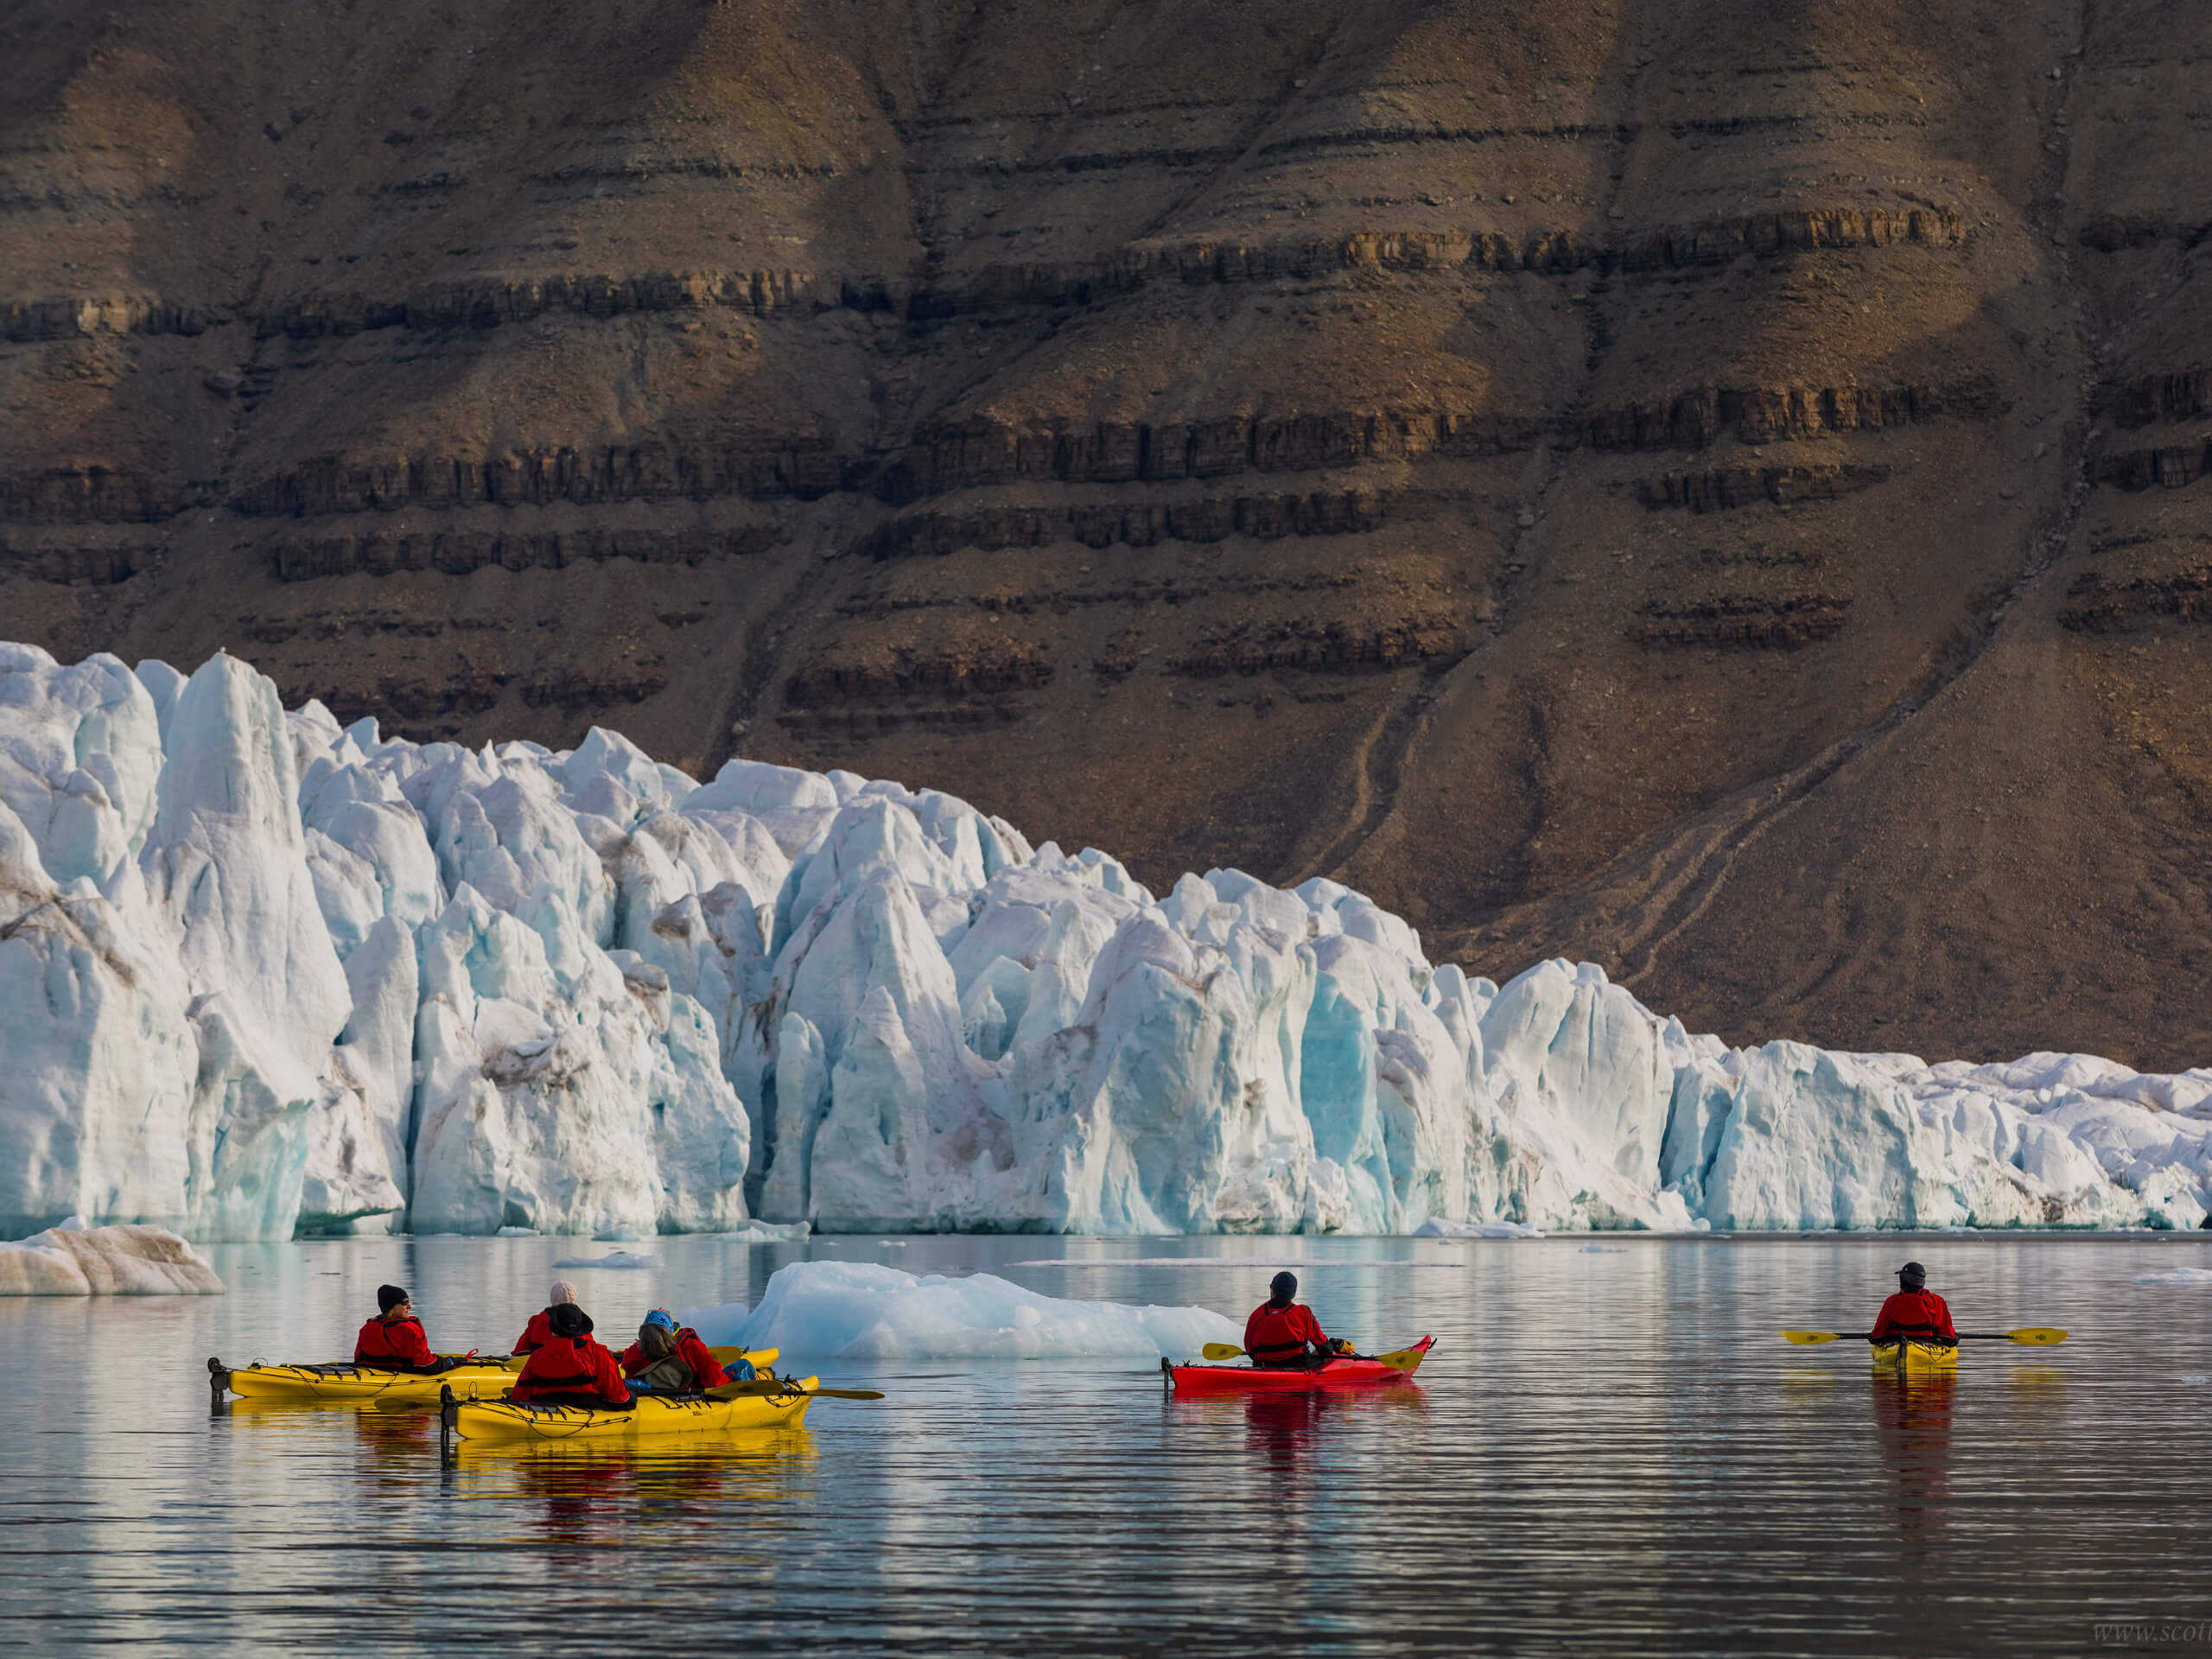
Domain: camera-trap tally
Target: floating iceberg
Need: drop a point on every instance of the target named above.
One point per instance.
(625, 1260)
(1251, 1263)
(718, 1327)
(261, 973)
(1436, 1227)
(74, 1260)
(816, 1312)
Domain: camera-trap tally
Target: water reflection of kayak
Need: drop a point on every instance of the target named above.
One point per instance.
(668, 1467)
(1915, 1359)
(1337, 1374)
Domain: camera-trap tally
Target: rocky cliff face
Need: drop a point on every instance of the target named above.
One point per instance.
(1712, 488)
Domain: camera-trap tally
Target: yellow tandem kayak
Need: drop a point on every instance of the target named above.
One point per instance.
(343, 1384)
(505, 1420)
(1915, 1359)
(489, 1378)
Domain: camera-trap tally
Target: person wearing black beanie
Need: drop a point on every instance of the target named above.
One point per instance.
(1282, 1334)
(394, 1341)
(1916, 1314)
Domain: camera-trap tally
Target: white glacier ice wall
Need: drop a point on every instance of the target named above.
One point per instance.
(259, 971)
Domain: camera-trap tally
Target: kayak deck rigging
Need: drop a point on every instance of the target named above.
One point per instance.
(1909, 1358)
(505, 1420)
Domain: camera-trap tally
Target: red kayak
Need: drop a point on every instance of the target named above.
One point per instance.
(1337, 1374)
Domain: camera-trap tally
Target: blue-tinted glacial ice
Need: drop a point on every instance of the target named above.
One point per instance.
(261, 973)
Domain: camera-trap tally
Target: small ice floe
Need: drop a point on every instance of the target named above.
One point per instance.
(517, 1232)
(74, 1260)
(2176, 1276)
(1436, 1227)
(612, 1258)
(768, 1232)
(1603, 1250)
(864, 1310)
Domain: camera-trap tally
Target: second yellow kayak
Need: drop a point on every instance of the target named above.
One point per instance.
(503, 1420)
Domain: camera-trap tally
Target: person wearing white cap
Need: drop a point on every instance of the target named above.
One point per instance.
(539, 1330)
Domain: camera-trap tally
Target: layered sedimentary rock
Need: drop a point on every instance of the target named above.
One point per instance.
(1715, 490)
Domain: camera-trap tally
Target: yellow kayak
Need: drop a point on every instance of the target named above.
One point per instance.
(487, 1378)
(339, 1385)
(505, 1420)
(1915, 1359)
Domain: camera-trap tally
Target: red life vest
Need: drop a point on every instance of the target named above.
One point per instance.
(1274, 1334)
(1916, 1314)
(536, 1334)
(393, 1345)
(570, 1365)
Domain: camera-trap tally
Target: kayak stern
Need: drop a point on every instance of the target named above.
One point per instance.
(1915, 1359)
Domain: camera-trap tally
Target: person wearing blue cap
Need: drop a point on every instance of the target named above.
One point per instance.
(669, 1358)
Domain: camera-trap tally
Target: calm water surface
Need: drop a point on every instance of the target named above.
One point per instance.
(1610, 1452)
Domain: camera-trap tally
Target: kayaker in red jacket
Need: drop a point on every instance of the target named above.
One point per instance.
(537, 1332)
(1283, 1334)
(1914, 1312)
(571, 1369)
(393, 1341)
(669, 1358)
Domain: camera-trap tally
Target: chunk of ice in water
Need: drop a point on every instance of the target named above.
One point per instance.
(817, 1311)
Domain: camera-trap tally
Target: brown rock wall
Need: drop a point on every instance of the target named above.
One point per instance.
(1241, 435)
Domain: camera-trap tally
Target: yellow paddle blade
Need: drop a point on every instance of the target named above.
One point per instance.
(755, 1357)
(1404, 1360)
(2035, 1336)
(1808, 1339)
(1222, 1351)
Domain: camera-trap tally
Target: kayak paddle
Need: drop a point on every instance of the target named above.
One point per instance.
(1404, 1360)
(775, 1385)
(2028, 1336)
